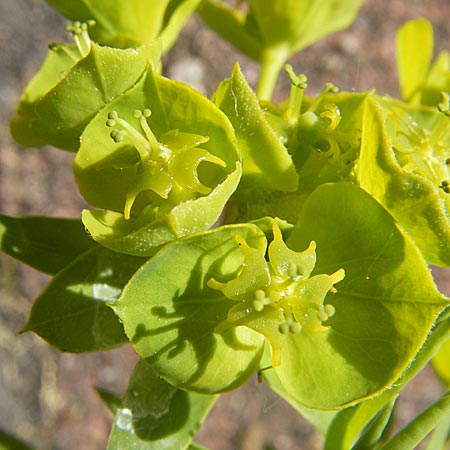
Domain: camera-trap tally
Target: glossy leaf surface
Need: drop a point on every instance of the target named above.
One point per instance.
(170, 314)
(155, 415)
(165, 204)
(71, 313)
(386, 278)
(44, 243)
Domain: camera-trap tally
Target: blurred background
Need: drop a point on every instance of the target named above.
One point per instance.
(48, 398)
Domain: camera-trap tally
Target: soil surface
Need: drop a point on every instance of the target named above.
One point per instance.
(47, 397)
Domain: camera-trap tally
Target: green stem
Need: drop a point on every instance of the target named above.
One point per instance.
(272, 61)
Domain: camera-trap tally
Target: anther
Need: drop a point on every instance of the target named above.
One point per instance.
(330, 310)
(259, 294)
(258, 305)
(143, 146)
(445, 185)
(117, 136)
(283, 328)
(295, 328)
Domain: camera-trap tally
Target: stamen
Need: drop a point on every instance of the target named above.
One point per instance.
(143, 146)
(142, 116)
(56, 46)
(329, 87)
(298, 86)
(80, 35)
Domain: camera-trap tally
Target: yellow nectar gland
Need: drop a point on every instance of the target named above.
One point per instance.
(278, 298)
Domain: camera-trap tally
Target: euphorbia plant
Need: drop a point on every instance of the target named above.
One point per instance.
(232, 237)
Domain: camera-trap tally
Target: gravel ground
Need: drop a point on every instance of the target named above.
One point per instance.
(47, 397)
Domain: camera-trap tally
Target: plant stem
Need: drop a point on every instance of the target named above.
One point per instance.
(272, 61)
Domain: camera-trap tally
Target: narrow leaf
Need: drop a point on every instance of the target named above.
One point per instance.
(440, 439)
(417, 430)
(376, 430)
(441, 363)
(414, 53)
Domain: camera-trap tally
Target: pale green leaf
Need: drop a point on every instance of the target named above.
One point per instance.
(131, 22)
(414, 53)
(106, 172)
(300, 23)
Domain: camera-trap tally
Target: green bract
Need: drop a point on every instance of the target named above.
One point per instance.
(412, 171)
(182, 328)
(190, 251)
(271, 31)
(139, 21)
(165, 170)
(385, 306)
(266, 162)
(72, 85)
(170, 314)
